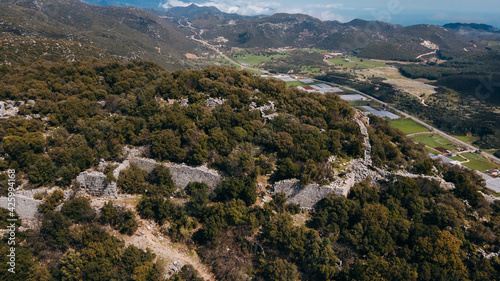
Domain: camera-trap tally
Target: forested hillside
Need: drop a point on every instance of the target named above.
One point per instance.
(126, 32)
(258, 130)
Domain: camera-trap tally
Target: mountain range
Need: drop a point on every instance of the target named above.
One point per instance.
(156, 35)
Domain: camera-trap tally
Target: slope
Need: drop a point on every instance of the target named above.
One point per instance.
(127, 32)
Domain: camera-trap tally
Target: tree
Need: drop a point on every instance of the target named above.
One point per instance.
(165, 145)
(238, 188)
(79, 210)
(42, 171)
(198, 200)
(131, 180)
(51, 201)
(55, 230)
(161, 177)
(443, 256)
(155, 207)
(280, 270)
(71, 266)
(287, 169)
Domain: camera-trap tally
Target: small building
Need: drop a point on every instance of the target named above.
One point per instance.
(493, 172)
(442, 150)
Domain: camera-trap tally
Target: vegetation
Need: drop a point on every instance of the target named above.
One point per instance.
(478, 162)
(408, 126)
(256, 57)
(355, 63)
(434, 141)
(400, 229)
(391, 148)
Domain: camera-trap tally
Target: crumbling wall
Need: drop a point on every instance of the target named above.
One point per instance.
(95, 184)
(306, 196)
(26, 207)
(182, 174)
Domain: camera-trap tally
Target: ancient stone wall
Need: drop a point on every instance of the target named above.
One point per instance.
(95, 184)
(183, 174)
(306, 196)
(26, 207)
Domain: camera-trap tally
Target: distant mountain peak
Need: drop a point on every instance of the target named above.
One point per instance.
(479, 27)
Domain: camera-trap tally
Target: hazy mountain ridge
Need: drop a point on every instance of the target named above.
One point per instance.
(472, 26)
(370, 39)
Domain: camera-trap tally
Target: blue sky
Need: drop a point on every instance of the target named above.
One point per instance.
(396, 11)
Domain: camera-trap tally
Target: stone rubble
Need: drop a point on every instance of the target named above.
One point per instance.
(268, 107)
(212, 103)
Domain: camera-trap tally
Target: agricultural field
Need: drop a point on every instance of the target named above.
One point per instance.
(457, 158)
(408, 126)
(310, 70)
(356, 63)
(478, 162)
(255, 60)
(434, 141)
(431, 151)
(298, 83)
(316, 50)
(467, 139)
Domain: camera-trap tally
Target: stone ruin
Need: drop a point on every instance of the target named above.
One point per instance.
(306, 196)
(95, 184)
(182, 174)
(26, 207)
(358, 170)
(266, 111)
(212, 103)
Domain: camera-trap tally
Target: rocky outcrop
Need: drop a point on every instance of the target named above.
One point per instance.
(95, 184)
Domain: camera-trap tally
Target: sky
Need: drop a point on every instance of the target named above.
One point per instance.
(405, 12)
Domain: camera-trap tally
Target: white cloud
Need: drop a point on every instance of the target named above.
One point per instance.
(174, 3)
(261, 7)
(323, 12)
(246, 8)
